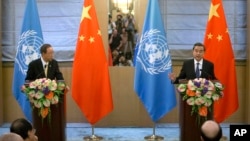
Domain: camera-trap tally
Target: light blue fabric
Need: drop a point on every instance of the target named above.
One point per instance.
(28, 49)
(153, 63)
(185, 22)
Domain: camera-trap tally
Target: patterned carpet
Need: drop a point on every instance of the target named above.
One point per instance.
(78, 131)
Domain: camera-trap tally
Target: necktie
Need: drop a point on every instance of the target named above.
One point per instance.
(197, 71)
(45, 69)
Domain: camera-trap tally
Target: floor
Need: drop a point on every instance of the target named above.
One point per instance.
(79, 131)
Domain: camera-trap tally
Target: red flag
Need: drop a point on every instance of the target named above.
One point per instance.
(219, 51)
(91, 88)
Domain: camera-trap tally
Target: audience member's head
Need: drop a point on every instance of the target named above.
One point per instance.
(11, 137)
(211, 131)
(23, 128)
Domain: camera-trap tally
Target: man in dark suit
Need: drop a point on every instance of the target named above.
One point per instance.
(44, 67)
(198, 67)
(191, 70)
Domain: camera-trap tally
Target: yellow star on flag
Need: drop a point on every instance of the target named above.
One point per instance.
(81, 38)
(219, 37)
(85, 12)
(99, 32)
(209, 36)
(91, 39)
(213, 11)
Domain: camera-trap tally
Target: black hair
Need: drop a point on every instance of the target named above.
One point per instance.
(21, 127)
(199, 44)
(44, 47)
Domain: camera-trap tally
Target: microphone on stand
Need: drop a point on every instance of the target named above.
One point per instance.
(209, 76)
(37, 76)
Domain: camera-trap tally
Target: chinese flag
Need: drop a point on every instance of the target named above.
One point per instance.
(219, 51)
(91, 88)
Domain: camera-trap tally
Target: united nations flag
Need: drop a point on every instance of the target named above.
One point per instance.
(31, 39)
(152, 65)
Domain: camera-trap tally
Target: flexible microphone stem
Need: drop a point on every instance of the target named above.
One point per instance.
(209, 76)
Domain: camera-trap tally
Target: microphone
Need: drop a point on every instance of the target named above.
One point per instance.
(37, 76)
(209, 76)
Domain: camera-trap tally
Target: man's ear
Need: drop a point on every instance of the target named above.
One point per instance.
(30, 132)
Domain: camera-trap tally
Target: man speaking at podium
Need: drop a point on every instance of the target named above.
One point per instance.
(47, 67)
(196, 67)
(44, 67)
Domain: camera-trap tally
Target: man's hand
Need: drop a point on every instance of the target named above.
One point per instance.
(172, 76)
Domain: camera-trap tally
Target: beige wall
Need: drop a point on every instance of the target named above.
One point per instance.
(128, 110)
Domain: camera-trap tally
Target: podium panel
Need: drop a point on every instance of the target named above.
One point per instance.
(55, 129)
(189, 127)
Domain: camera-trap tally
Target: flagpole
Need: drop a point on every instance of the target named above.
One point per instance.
(93, 137)
(153, 137)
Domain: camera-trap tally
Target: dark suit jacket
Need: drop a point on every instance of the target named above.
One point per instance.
(36, 70)
(188, 71)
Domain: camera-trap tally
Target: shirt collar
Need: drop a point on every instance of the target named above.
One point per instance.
(200, 62)
(44, 63)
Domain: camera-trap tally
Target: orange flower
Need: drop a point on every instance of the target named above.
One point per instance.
(44, 112)
(50, 95)
(203, 111)
(190, 92)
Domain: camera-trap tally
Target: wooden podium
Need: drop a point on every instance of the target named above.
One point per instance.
(189, 127)
(55, 130)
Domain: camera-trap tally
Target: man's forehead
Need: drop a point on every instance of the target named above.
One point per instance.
(199, 48)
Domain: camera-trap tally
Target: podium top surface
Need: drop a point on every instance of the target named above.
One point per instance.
(185, 81)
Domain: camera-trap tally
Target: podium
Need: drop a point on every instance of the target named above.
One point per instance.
(53, 129)
(189, 127)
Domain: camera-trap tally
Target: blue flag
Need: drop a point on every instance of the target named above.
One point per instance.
(153, 64)
(28, 49)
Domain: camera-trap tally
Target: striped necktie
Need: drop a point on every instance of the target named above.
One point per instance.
(197, 71)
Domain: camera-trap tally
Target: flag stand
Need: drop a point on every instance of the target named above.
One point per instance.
(153, 137)
(93, 137)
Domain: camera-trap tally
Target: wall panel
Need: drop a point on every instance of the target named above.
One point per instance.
(128, 110)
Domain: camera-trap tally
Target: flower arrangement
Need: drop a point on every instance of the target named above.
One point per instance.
(200, 94)
(42, 93)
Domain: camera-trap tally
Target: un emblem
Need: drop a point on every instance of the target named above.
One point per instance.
(28, 49)
(153, 53)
